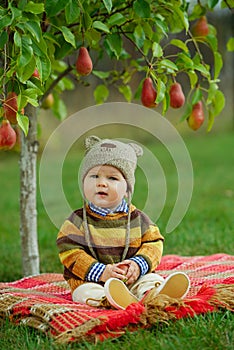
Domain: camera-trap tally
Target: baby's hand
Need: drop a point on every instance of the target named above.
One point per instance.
(133, 271)
(113, 270)
(123, 267)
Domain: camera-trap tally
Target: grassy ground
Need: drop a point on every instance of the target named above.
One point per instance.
(206, 229)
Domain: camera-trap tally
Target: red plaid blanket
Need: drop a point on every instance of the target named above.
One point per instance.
(44, 301)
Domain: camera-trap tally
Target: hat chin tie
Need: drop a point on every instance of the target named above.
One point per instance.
(127, 235)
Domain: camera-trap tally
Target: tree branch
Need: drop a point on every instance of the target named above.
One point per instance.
(138, 48)
(228, 6)
(55, 82)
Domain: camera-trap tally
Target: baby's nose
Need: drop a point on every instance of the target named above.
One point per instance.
(102, 182)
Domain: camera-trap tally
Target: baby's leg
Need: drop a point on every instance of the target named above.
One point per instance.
(89, 293)
(175, 285)
(145, 283)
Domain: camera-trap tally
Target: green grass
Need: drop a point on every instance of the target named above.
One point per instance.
(207, 228)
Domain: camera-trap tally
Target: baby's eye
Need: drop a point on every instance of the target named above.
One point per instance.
(113, 178)
(94, 176)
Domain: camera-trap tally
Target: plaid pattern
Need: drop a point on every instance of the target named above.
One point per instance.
(122, 207)
(44, 301)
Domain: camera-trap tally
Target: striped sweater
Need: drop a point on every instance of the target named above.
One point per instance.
(108, 241)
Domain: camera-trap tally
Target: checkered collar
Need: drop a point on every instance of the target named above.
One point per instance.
(122, 207)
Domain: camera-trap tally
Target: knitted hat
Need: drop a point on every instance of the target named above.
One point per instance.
(111, 152)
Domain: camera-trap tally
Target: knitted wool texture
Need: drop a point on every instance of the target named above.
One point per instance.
(111, 152)
(120, 155)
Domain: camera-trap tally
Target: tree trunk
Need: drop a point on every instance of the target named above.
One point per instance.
(28, 190)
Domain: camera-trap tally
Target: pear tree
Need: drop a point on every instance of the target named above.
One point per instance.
(47, 45)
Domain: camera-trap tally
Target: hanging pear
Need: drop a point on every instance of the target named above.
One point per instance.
(176, 94)
(196, 118)
(200, 28)
(84, 63)
(7, 135)
(148, 93)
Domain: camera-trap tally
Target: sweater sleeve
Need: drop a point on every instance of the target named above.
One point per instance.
(152, 247)
(72, 253)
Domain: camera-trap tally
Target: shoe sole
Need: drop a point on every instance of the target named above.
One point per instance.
(118, 294)
(176, 286)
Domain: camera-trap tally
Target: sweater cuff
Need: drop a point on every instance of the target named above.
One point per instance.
(95, 272)
(142, 263)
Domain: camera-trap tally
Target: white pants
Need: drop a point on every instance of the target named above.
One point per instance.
(95, 291)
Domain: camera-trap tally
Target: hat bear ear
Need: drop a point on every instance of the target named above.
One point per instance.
(138, 149)
(90, 141)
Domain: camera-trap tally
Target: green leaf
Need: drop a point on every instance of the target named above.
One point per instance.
(202, 69)
(34, 29)
(114, 42)
(15, 12)
(161, 89)
(212, 3)
(101, 26)
(3, 39)
(101, 94)
(211, 119)
(6, 21)
(166, 103)
(39, 48)
(35, 84)
(59, 108)
(86, 21)
(100, 74)
(211, 92)
(23, 122)
(162, 25)
(184, 61)
(218, 103)
(218, 64)
(157, 50)
(165, 63)
(30, 96)
(197, 96)
(25, 72)
(17, 39)
(72, 11)
(180, 44)
(193, 78)
(187, 112)
(116, 19)
(22, 4)
(141, 8)
(147, 29)
(230, 44)
(108, 5)
(53, 7)
(50, 37)
(212, 41)
(68, 84)
(126, 91)
(68, 36)
(197, 12)
(44, 67)
(139, 35)
(26, 51)
(182, 16)
(34, 8)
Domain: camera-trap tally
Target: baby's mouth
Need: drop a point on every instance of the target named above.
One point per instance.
(101, 193)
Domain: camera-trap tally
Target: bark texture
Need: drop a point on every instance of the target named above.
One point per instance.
(28, 192)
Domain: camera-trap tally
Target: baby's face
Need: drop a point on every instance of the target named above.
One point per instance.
(105, 186)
